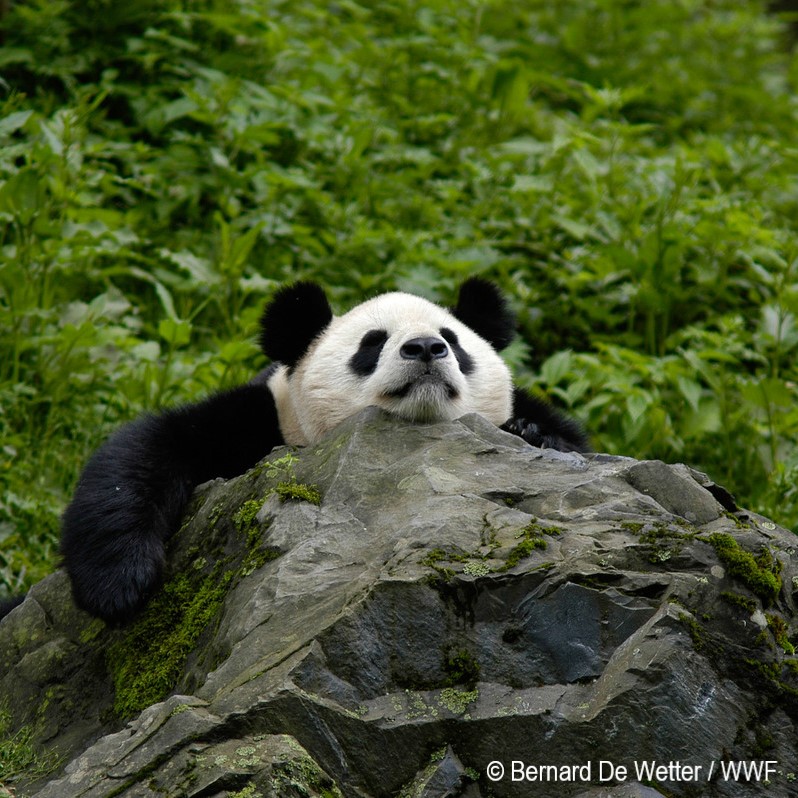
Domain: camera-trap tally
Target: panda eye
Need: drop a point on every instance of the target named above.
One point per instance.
(464, 360)
(364, 361)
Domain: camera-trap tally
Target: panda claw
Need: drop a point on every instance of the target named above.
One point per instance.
(535, 435)
(527, 430)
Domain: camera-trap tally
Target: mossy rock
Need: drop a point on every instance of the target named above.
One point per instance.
(415, 611)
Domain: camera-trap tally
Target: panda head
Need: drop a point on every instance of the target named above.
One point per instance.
(404, 354)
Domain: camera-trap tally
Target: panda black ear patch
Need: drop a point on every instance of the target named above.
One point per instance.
(290, 322)
(482, 307)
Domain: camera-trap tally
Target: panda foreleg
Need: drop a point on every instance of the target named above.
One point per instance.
(132, 494)
(539, 424)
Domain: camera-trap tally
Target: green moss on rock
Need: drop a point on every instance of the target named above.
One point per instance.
(244, 518)
(661, 539)
(245, 521)
(531, 540)
(296, 491)
(250, 791)
(523, 550)
(749, 605)
(433, 560)
(778, 626)
(147, 659)
(760, 574)
(695, 630)
(461, 667)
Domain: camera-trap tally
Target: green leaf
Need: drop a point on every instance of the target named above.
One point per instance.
(533, 183)
(174, 331)
(637, 404)
(22, 195)
(199, 269)
(166, 299)
(768, 393)
(556, 368)
(691, 391)
(579, 230)
(13, 122)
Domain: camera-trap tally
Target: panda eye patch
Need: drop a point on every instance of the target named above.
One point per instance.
(464, 360)
(374, 338)
(364, 361)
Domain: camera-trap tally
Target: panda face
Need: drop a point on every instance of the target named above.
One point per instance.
(399, 352)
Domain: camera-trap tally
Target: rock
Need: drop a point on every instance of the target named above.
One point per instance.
(459, 607)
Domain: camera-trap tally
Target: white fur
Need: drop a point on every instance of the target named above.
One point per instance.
(323, 390)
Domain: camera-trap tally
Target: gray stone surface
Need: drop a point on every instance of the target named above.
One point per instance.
(457, 599)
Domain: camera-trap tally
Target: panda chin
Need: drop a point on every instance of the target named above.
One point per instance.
(426, 398)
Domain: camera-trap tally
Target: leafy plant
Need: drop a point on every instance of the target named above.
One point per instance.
(624, 171)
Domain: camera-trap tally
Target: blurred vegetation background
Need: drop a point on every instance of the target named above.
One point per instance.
(627, 170)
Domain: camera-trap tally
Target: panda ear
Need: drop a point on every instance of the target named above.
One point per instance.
(290, 322)
(483, 308)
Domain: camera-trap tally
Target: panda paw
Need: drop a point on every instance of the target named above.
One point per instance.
(537, 435)
(116, 587)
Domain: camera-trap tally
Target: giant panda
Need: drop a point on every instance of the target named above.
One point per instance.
(402, 353)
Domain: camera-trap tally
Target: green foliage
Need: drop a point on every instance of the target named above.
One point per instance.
(624, 171)
(18, 756)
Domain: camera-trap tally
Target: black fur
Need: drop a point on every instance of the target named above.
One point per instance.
(6, 605)
(364, 361)
(464, 360)
(481, 306)
(295, 316)
(538, 423)
(133, 492)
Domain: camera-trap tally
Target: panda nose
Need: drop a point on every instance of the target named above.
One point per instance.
(424, 349)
